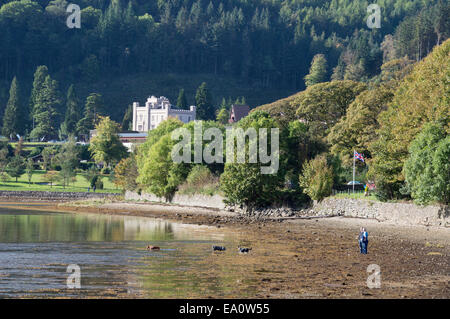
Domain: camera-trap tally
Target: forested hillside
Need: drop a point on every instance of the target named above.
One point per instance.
(259, 49)
(399, 122)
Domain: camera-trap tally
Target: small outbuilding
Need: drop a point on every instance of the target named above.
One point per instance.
(238, 111)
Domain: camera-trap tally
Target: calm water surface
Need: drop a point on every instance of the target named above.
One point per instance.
(36, 248)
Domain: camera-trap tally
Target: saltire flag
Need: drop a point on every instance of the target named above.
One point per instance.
(358, 156)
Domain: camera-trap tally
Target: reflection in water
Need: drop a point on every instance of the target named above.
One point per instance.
(37, 247)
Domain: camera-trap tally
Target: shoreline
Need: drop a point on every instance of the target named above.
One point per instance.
(223, 218)
(303, 258)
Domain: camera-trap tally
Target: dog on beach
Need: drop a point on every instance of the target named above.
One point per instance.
(243, 250)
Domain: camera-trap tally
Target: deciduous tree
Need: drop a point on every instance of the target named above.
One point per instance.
(427, 169)
(106, 146)
(323, 104)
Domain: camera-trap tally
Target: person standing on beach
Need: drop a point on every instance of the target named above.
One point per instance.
(364, 241)
(360, 239)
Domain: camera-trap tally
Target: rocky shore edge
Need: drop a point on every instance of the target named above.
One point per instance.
(52, 196)
(281, 212)
(404, 214)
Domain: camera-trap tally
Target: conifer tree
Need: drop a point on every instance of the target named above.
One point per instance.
(203, 100)
(318, 71)
(182, 102)
(46, 110)
(127, 121)
(38, 82)
(69, 126)
(93, 109)
(16, 167)
(12, 123)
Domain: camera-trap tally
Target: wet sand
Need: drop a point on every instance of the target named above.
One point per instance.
(316, 258)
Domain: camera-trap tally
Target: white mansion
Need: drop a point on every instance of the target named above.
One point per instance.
(156, 110)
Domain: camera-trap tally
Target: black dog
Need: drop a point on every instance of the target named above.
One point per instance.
(244, 250)
(218, 248)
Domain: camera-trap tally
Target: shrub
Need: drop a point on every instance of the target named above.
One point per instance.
(125, 174)
(91, 175)
(316, 178)
(200, 181)
(4, 177)
(199, 175)
(99, 183)
(50, 177)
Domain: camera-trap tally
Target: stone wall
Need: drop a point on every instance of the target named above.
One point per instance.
(40, 195)
(197, 200)
(395, 213)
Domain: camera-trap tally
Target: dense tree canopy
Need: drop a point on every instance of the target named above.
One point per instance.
(357, 128)
(384, 89)
(245, 183)
(422, 97)
(266, 44)
(323, 104)
(427, 169)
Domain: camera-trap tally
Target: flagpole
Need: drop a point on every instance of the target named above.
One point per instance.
(353, 182)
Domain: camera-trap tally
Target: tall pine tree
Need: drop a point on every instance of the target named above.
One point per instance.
(318, 70)
(203, 100)
(93, 109)
(38, 82)
(12, 123)
(73, 112)
(127, 121)
(182, 102)
(46, 111)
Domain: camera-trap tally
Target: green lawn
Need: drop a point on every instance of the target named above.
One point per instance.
(356, 195)
(37, 184)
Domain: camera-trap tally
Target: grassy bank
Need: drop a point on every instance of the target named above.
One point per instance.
(38, 184)
(356, 195)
